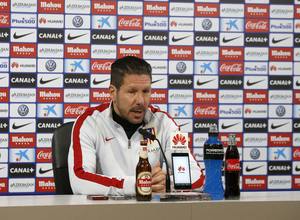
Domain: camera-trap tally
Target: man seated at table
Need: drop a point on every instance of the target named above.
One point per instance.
(105, 140)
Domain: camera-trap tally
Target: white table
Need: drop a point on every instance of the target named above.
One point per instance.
(254, 206)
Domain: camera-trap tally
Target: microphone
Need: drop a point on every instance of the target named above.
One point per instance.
(148, 135)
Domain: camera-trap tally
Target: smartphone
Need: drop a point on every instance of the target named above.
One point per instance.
(181, 171)
(97, 197)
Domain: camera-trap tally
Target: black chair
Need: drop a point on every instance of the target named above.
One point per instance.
(60, 148)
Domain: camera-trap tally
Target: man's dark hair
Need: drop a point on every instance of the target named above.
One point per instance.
(128, 65)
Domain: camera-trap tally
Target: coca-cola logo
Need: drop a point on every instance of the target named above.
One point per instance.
(74, 110)
(101, 66)
(231, 68)
(130, 22)
(44, 155)
(207, 111)
(257, 25)
(4, 19)
(235, 166)
(296, 154)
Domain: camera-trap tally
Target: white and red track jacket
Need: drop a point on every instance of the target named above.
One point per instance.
(102, 160)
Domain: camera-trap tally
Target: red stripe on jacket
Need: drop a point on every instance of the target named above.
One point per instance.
(78, 169)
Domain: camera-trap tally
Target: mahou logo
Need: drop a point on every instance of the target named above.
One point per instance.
(44, 155)
(179, 139)
(101, 66)
(205, 111)
(45, 185)
(4, 5)
(50, 95)
(22, 140)
(280, 140)
(181, 52)
(255, 97)
(159, 96)
(156, 8)
(130, 51)
(4, 20)
(231, 67)
(206, 96)
(281, 54)
(130, 22)
(4, 94)
(238, 137)
(77, 51)
(207, 10)
(296, 182)
(74, 110)
(22, 50)
(257, 25)
(51, 6)
(297, 11)
(255, 182)
(232, 53)
(3, 185)
(104, 7)
(257, 11)
(100, 95)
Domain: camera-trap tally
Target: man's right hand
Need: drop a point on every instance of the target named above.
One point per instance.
(158, 179)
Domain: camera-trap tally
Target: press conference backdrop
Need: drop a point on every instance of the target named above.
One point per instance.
(234, 63)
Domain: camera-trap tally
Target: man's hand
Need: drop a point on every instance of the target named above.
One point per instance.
(158, 179)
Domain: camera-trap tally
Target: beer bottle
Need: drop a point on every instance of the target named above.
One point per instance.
(143, 175)
(232, 169)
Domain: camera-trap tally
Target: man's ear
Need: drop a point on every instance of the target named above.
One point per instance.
(112, 92)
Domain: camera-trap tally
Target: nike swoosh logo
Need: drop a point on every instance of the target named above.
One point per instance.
(297, 83)
(254, 168)
(205, 82)
(5, 77)
(278, 126)
(253, 83)
(230, 39)
(179, 39)
(20, 36)
(108, 139)
(155, 81)
(297, 168)
(41, 171)
(1, 168)
(228, 126)
(47, 81)
(183, 124)
(95, 82)
(127, 38)
(74, 37)
(278, 41)
(14, 126)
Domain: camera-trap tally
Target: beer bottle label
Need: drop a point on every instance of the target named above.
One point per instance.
(143, 183)
(232, 165)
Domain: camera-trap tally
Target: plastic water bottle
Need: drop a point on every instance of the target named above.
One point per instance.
(213, 160)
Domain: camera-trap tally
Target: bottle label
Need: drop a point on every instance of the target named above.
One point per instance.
(144, 152)
(143, 183)
(232, 165)
(214, 153)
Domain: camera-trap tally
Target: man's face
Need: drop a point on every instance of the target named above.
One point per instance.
(131, 100)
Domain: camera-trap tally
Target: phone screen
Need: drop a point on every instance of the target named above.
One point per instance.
(181, 170)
